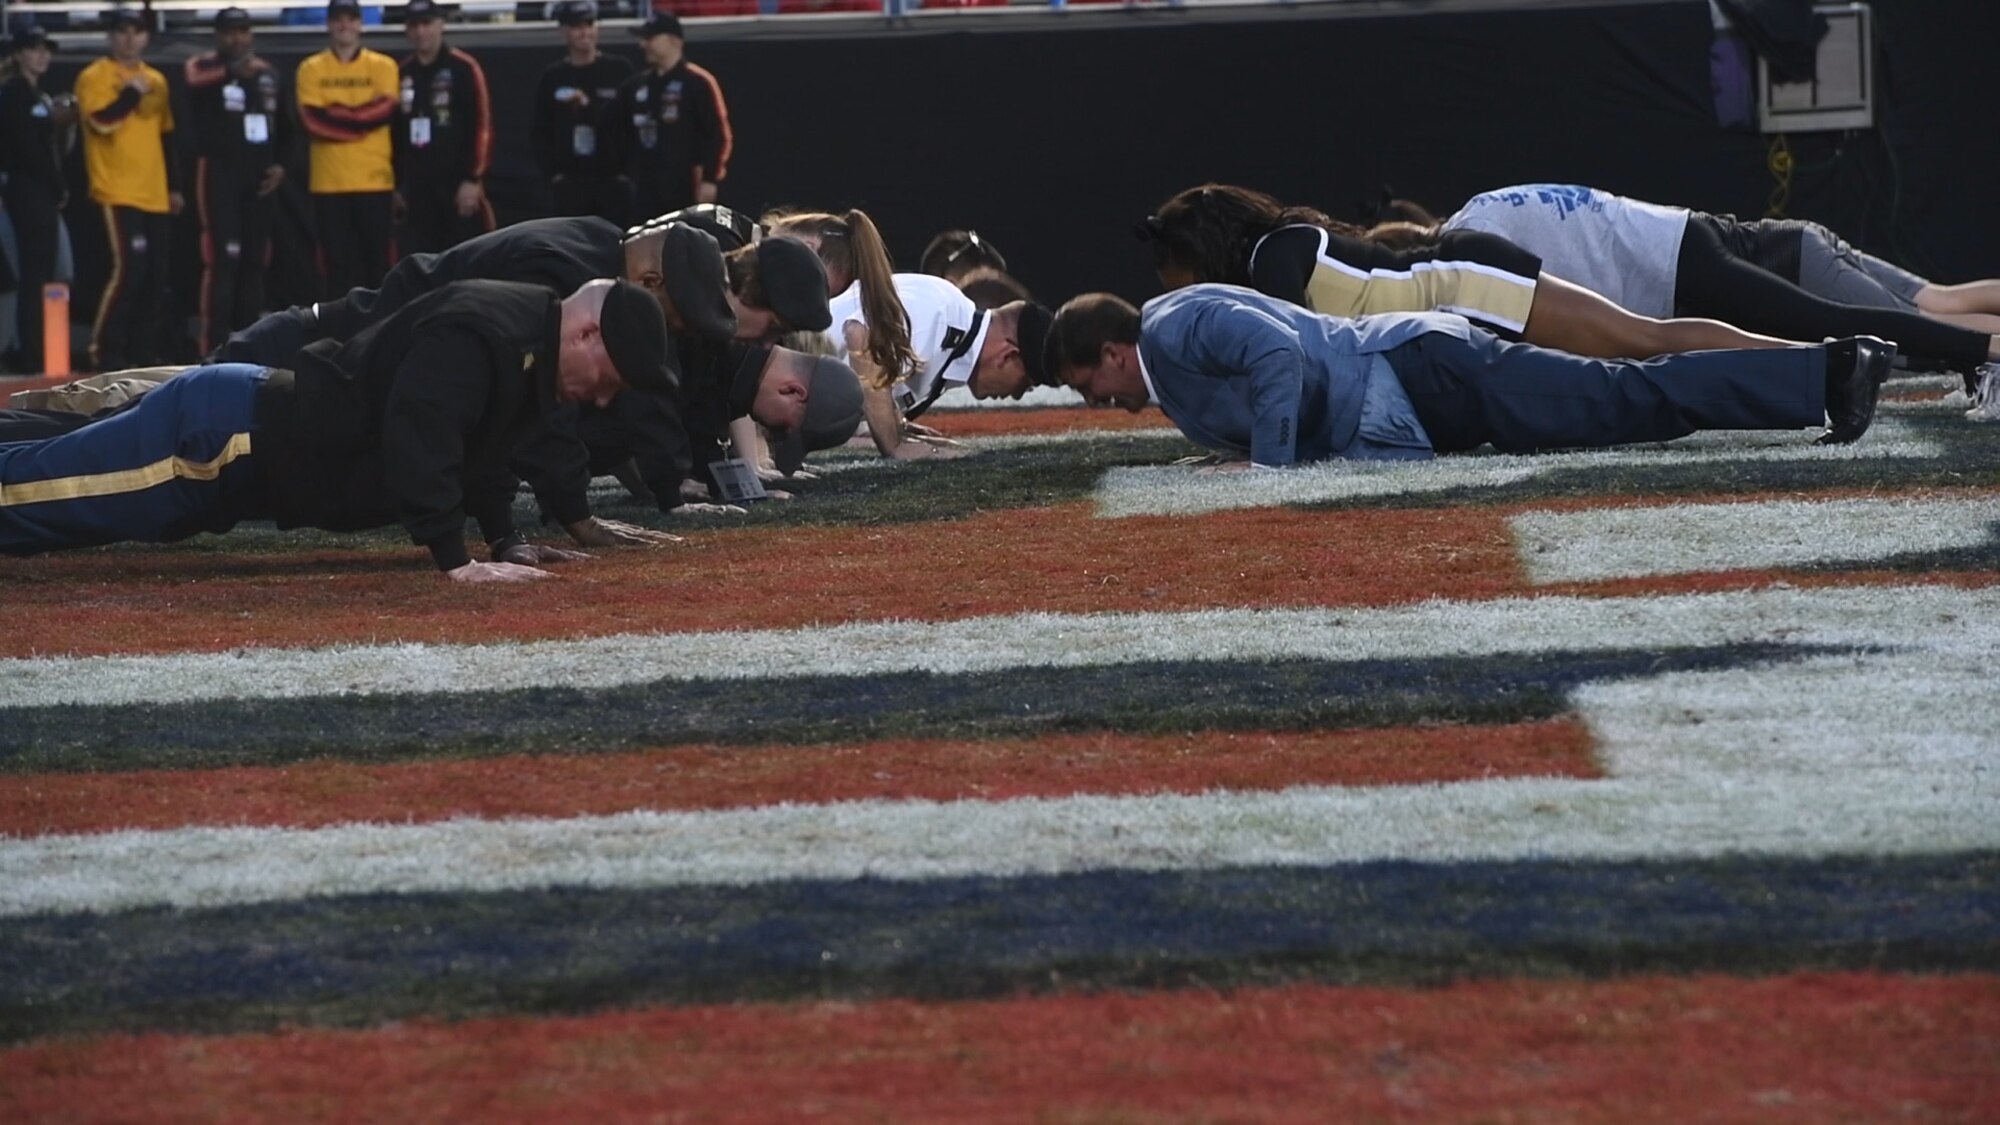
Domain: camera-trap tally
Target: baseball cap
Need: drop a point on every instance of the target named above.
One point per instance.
(343, 8)
(417, 11)
(231, 18)
(127, 17)
(662, 23)
(691, 269)
(833, 411)
(29, 35)
(794, 282)
(570, 13)
(635, 336)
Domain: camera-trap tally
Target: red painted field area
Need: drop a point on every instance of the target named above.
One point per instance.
(1802, 1048)
(713, 777)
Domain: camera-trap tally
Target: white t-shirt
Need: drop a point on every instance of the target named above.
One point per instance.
(1626, 249)
(946, 330)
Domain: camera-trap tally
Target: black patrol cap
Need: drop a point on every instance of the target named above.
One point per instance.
(833, 413)
(635, 336)
(794, 282)
(691, 270)
(418, 11)
(127, 17)
(1031, 335)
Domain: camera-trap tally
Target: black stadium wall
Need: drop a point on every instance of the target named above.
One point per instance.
(1052, 133)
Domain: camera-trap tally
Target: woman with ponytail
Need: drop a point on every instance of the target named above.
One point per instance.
(909, 336)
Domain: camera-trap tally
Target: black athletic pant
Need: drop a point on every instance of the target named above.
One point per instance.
(356, 238)
(235, 248)
(36, 234)
(135, 292)
(431, 222)
(607, 197)
(1714, 282)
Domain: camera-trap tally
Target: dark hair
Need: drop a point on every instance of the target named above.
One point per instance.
(1082, 327)
(989, 288)
(1405, 211)
(1401, 235)
(850, 243)
(953, 254)
(1210, 230)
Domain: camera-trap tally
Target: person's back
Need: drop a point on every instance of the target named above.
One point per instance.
(1625, 249)
(1244, 371)
(945, 330)
(457, 368)
(556, 253)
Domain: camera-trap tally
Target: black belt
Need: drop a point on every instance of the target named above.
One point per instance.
(957, 353)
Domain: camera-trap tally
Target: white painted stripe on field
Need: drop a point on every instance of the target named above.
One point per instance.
(960, 398)
(978, 442)
(1606, 543)
(1886, 749)
(1163, 490)
(987, 644)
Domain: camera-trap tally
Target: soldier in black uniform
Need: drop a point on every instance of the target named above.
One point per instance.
(34, 193)
(412, 421)
(575, 130)
(444, 138)
(241, 132)
(674, 124)
(681, 266)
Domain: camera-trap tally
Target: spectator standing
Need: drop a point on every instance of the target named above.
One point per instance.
(347, 101)
(238, 126)
(30, 160)
(444, 141)
(675, 123)
(575, 130)
(133, 177)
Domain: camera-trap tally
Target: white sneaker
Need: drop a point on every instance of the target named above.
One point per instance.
(1986, 398)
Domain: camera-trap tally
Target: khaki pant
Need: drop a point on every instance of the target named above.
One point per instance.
(97, 392)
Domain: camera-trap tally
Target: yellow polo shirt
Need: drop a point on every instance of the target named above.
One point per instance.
(126, 158)
(340, 102)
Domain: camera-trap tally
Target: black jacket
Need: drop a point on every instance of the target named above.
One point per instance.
(413, 420)
(220, 106)
(28, 136)
(557, 254)
(674, 129)
(560, 150)
(444, 104)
